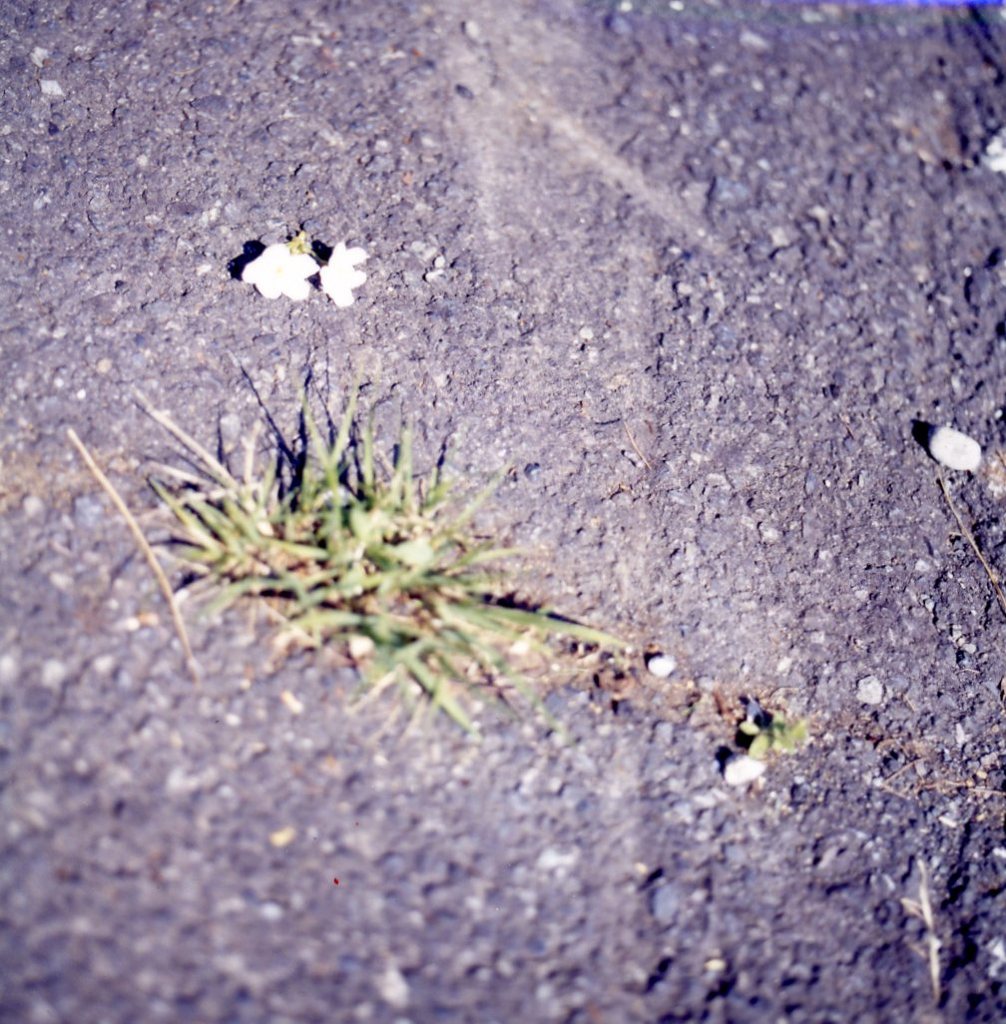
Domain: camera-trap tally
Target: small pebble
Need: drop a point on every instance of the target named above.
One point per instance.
(779, 237)
(740, 769)
(231, 431)
(393, 987)
(665, 904)
(271, 911)
(54, 672)
(752, 41)
(954, 450)
(62, 581)
(103, 665)
(50, 87)
(617, 24)
(179, 784)
(994, 157)
(88, 511)
(870, 690)
(360, 647)
(282, 837)
(9, 669)
(32, 506)
(293, 704)
(551, 859)
(660, 665)
(769, 534)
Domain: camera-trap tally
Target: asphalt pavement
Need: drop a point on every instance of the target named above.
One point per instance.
(701, 273)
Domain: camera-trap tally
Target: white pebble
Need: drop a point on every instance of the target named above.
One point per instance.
(103, 665)
(8, 669)
(230, 427)
(50, 87)
(54, 672)
(271, 911)
(740, 769)
(954, 450)
(660, 665)
(393, 987)
(870, 690)
(560, 861)
(752, 41)
(994, 157)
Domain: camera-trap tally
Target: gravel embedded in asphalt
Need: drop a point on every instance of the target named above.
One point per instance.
(702, 269)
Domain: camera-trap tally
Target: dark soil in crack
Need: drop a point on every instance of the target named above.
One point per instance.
(694, 270)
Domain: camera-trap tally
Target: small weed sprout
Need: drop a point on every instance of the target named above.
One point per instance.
(351, 549)
(763, 733)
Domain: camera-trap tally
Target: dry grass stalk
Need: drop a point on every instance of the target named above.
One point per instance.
(145, 548)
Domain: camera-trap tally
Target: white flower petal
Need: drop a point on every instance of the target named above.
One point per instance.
(339, 277)
(269, 287)
(257, 270)
(341, 296)
(297, 288)
(302, 265)
(266, 262)
(277, 271)
(355, 255)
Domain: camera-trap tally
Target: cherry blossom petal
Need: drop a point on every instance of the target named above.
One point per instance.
(277, 271)
(340, 276)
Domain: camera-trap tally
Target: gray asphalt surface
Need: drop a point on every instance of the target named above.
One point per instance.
(694, 270)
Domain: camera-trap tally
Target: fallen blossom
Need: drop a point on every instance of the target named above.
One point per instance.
(339, 276)
(281, 271)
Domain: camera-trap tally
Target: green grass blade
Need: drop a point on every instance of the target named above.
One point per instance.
(233, 592)
(335, 453)
(327, 620)
(468, 512)
(367, 468)
(553, 625)
(437, 688)
(329, 469)
(198, 536)
(406, 495)
(484, 553)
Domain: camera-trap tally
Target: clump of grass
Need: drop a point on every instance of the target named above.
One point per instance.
(347, 547)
